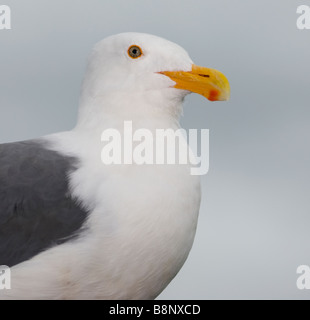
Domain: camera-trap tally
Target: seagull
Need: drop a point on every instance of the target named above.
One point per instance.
(72, 227)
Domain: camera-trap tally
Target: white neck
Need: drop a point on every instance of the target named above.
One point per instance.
(96, 111)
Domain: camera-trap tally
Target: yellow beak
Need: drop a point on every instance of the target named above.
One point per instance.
(210, 83)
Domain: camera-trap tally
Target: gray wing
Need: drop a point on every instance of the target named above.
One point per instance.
(36, 208)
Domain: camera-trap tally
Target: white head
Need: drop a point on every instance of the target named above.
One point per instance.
(132, 73)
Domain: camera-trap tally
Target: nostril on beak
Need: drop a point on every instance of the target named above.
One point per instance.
(204, 75)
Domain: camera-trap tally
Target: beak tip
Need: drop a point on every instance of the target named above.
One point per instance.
(216, 95)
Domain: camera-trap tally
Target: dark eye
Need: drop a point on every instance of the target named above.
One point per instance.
(135, 52)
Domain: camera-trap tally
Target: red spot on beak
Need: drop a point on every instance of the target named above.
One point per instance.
(213, 95)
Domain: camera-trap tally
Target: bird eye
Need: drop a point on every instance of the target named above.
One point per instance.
(135, 52)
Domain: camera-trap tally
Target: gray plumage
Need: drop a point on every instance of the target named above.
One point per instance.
(36, 208)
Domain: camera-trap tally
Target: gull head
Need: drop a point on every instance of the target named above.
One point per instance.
(135, 72)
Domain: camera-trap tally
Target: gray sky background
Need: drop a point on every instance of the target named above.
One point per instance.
(255, 216)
